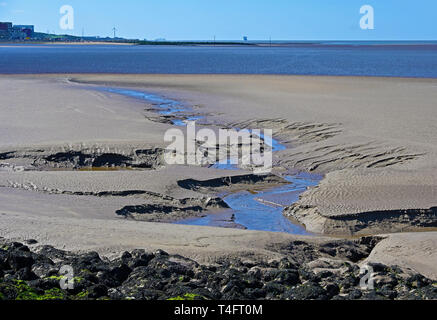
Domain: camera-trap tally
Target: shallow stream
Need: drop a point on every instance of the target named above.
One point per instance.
(250, 209)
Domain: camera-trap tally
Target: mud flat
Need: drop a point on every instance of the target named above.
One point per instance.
(358, 202)
(373, 138)
(88, 154)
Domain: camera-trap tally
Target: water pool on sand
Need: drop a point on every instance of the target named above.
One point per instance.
(261, 210)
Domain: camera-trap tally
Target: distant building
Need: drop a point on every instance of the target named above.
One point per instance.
(19, 32)
(5, 26)
(5, 30)
(24, 31)
(245, 38)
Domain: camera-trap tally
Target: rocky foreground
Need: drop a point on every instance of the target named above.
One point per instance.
(326, 271)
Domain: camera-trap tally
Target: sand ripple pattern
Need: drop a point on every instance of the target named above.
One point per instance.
(312, 148)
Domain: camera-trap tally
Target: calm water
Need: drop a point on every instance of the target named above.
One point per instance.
(254, 211)
(340, 59)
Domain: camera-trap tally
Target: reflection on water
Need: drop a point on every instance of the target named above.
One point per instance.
(263, 210)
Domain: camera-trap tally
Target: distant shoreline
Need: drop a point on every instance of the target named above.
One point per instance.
(273, 44)
(11, 43)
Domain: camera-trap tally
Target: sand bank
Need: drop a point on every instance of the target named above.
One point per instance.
(374, 138)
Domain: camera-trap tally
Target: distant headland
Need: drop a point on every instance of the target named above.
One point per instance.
(11, 33)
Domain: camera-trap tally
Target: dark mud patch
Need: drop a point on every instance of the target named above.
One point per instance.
(367, 223)
(87, 158)
(232, 182)
(146, 159)
(384, 221)
(172, 209)
(7, 155)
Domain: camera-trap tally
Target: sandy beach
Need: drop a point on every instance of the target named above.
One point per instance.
(373, 139)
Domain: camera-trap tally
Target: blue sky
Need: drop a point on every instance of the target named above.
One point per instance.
(232, 19)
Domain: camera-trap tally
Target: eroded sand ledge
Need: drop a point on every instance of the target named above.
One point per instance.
(374, 137)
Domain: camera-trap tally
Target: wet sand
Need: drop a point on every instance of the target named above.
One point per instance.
(373, 138)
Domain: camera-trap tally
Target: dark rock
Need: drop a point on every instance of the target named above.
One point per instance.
(205, 293)
(429, 292)
(287, 264)
(150, 294)
(325, 274)
(98, 291)
(143, 275)
(89, 261)
(308, 291)
(352, 252)
(349, 281)
(273, 264)
(257, 293)
(234, 294)
(26, 274)
(177, 290)
(45, 284)
(19, 246)
(4, 264)
(354, 294)
(309, 275)
(381, 280)
(52, 253)
(288, 277)
(417, 281)
(330, 251)
(140, 261)
(210, 268)
(378, 267)
(372, 295)
(254, 284)
(387, 291)
(233, 285)
(248, 264)
(332, 289)
(270, 275)
(125, 256)
(90, 277)
(8, 291)
(44, 270)
(19, 260)
(121, 273)
(274, 289)
(114, 294)
(40, 259)
(160, 252)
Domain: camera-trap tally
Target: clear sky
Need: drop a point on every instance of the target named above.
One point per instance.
(231, 19)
